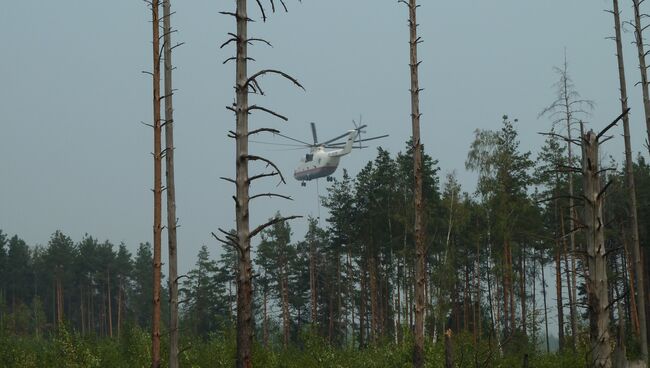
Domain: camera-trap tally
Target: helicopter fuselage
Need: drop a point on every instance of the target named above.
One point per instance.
(320, 163)
(316, 164)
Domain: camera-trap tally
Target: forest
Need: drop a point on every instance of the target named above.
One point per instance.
(542, 262)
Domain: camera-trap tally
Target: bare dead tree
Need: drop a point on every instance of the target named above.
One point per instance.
(643, 69)
(593, 223)
(245, 85)
(172, 222)
(157, 184)
(596, 260)
(420, 249)
(566, 110)
(629, 168)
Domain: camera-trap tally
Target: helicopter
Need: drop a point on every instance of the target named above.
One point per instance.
(321, 163)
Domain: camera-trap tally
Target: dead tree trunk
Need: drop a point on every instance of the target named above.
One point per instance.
(558, 291)
(157, 187)
(541, 266)
(241, 241)
(420, 249)
(171, 188)
(629, 168)
(245, 274)
(597, 285)
(638, 33)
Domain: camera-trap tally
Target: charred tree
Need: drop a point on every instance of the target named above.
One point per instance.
(629, 168)
(245, 85)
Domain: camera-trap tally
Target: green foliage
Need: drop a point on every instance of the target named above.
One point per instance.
(133, 350)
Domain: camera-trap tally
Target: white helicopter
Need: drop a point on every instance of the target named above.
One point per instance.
(319, 163)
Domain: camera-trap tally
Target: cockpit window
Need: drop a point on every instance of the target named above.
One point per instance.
(309, 157)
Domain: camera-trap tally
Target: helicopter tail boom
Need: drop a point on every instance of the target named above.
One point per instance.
(352, 135)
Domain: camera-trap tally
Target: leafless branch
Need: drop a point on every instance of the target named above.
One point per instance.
(612, 124)
(268, 111)
(268, 163)
(260, 130)
(273, 71)
(260, 176)
(270, 195)
(270, 223)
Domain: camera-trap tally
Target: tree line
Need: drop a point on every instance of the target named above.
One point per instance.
(492, 257)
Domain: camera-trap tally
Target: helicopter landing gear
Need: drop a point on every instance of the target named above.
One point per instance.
(303, 184)
(329, 178)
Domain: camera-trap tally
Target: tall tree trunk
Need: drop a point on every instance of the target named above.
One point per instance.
(638, 33)
(398, 305)
(522, 290)
(244, 277)
(171, 188)
(110, 309)
(541, 265)
(511, 285)
(59, 294)
(81, 310)
(634, 316)
(265, 317)
(570, 294)
(351, 292)
(558, 292)
(362, 308)
(312, 283)
(572, 287)
(629, 168)
(119, 310)
(477, 303)
(506, 291)
(284, 285)
(597, 285)
(420, 247)
(157, 188)
(330, 325)
(374, 308)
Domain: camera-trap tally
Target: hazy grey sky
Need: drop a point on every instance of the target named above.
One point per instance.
(74, 157)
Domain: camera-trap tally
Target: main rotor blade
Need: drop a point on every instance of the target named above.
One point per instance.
(343, 135)
(370, 139)
(341, 146)
(278, 144)
(359, 140)
(313, 133)
(295, 140)
(337, 138)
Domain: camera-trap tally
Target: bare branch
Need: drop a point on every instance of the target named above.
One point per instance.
(613, 123)
(270, 223)
(260, 130)
(260, 176)
(273, 71)
(255, 107)
(268, 163)
(270, 195)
